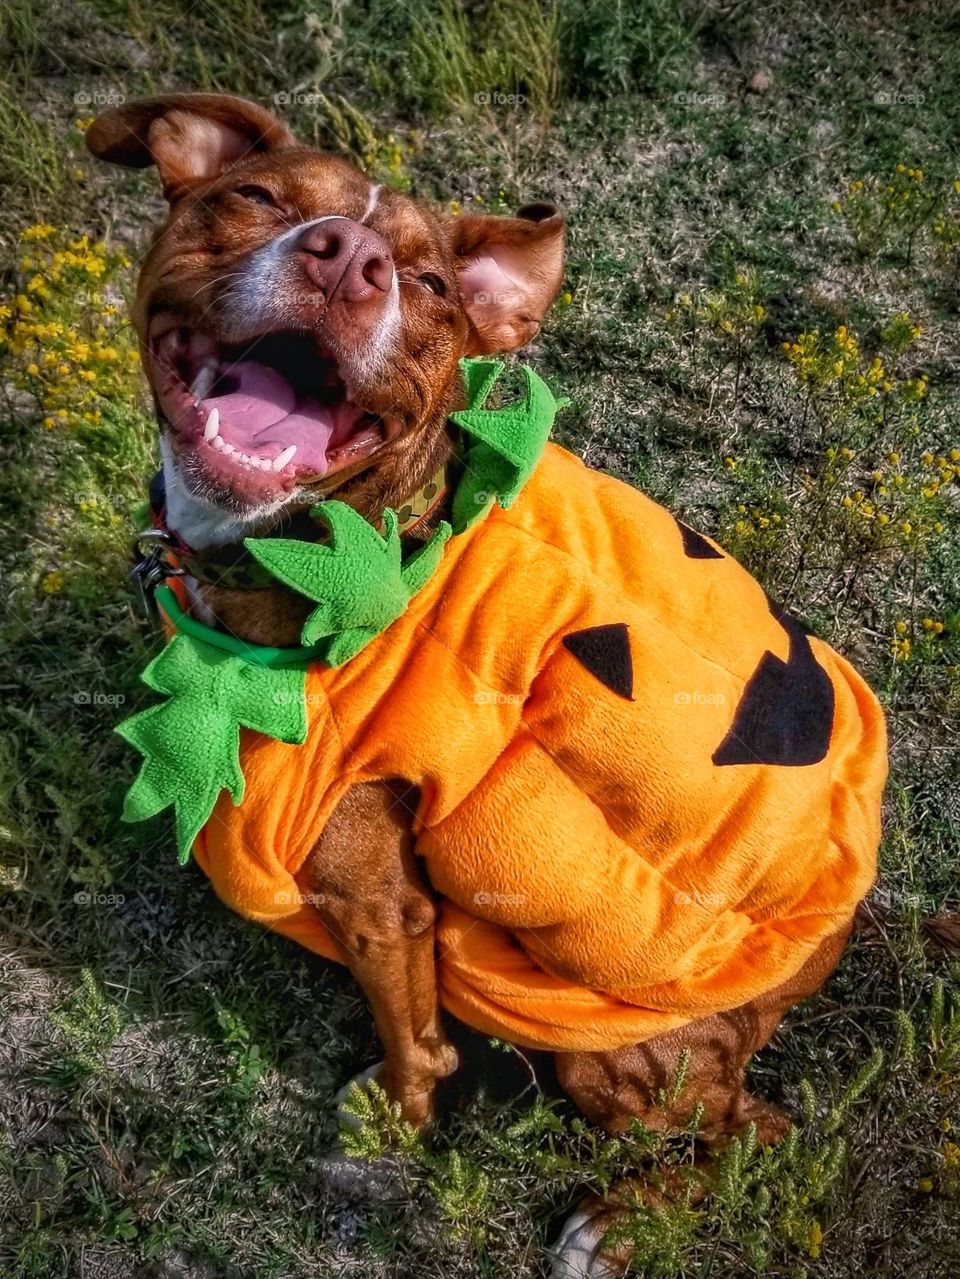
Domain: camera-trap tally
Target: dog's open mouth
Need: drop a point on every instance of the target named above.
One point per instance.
(260, 418)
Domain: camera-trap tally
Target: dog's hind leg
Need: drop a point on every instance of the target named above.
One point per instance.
(374, 902)
(710, 1058)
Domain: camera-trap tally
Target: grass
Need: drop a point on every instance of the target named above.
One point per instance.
(507, 56)
(168, 1070)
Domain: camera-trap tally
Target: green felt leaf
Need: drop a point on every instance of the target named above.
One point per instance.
(479, 376)
(191, 743)
(506, 442)
(422, 564)
(355, 577)
(340, 648)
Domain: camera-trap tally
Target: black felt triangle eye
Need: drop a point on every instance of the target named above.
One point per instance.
(695, 545)
(785, 715)
(605, 652)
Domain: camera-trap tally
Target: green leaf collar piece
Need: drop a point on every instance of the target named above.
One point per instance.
(216, 684)
(505, 443)
(191, 742)
(357, 579)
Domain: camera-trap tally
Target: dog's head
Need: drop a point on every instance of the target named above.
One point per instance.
(301, 325)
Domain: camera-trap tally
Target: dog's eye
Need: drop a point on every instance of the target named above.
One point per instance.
(434, 284)
(257, 194)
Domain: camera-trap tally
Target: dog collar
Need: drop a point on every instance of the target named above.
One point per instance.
(423, 503)
(232, 566)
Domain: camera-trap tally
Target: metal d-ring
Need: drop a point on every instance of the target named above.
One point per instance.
(163, 536)
(150, 568)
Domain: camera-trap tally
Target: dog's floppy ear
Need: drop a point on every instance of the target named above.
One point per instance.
(190, 137)
(510, 270)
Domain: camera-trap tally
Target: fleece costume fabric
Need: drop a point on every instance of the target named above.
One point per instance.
(646, 795)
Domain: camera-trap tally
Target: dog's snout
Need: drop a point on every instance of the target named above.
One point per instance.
(345, 259)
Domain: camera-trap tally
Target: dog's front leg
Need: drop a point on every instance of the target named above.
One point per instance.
(373, 900)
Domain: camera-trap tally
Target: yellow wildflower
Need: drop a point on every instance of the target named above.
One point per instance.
(815, 1239)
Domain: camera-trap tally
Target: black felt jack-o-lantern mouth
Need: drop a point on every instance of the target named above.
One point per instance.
(785, 715)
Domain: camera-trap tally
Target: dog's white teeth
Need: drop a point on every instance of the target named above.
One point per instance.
(249, 461)
(211, 433)
(204, 381)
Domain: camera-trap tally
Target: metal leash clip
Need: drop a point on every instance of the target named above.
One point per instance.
(150, 568)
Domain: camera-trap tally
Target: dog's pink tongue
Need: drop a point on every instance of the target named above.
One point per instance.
(261, 414)
(259, 397)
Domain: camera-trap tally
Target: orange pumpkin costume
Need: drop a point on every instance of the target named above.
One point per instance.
(645, 796)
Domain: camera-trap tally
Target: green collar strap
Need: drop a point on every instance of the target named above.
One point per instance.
(257, 654)
(360, 582)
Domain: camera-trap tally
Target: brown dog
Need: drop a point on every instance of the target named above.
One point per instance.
(364, 301)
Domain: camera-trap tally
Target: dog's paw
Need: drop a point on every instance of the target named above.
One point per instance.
(577, 1253)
